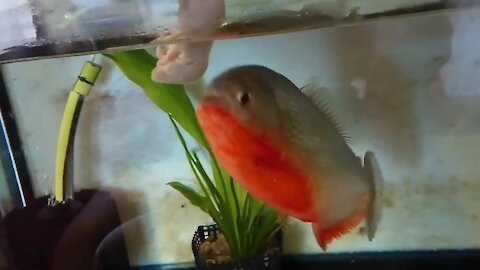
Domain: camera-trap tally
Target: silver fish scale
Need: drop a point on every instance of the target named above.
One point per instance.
(337, 174)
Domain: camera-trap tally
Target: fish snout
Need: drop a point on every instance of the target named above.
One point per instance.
(216, 99)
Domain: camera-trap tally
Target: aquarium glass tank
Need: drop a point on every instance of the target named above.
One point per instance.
(125, 145)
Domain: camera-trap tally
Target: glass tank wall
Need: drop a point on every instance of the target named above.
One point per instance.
(406, 88)
(46, 28)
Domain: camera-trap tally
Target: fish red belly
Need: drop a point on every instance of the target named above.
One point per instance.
(263, 170)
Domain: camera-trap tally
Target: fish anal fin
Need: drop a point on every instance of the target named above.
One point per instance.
(314, 93)
(326, 236)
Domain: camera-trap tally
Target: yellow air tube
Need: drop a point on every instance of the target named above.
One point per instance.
(64, 158)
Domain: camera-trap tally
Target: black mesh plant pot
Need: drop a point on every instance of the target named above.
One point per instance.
(268, 260)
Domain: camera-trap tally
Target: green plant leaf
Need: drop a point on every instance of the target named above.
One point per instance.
(194, 198)
(137, 66)
(219, 211)
(191, 161)
(255, 208)
(268, 225)
(218, 176)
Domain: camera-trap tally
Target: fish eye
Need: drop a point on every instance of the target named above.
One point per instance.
(243, 98)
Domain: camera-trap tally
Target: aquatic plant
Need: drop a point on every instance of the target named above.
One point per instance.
(246, 222)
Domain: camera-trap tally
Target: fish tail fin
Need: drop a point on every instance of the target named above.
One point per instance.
(326, 236)
(375, 180)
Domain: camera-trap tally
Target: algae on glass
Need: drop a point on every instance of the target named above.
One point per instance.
(246, 222)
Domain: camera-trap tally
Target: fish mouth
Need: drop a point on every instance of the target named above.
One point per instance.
(214, 99)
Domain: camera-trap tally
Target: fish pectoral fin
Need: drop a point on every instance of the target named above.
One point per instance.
(314, 93)
(375, 179)
(326, 236)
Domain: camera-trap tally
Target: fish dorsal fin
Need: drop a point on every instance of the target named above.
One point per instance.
(314, 93)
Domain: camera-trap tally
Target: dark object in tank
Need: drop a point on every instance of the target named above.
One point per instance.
(412, 10)
(65, 236)
(271, 260)
(391, 260)
(72, 48)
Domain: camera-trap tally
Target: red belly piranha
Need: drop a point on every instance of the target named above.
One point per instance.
(287, 151)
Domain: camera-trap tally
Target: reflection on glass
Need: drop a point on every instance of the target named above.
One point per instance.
(45, 28)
